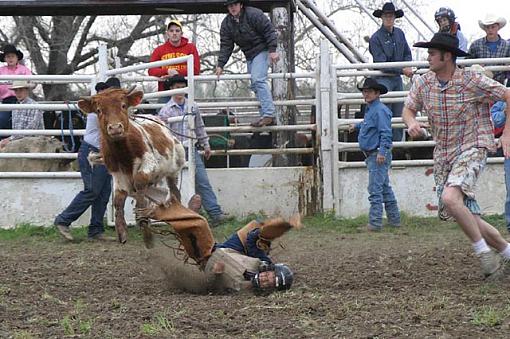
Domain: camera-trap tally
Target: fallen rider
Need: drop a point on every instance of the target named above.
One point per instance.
(240, 263)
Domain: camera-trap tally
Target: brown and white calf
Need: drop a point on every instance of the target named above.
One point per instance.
(139, 153)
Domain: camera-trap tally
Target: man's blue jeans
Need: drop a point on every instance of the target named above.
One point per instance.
(204, 189)
(97, 184)
(380, 192)
(507, 203)
(258, 67)
(394, 83)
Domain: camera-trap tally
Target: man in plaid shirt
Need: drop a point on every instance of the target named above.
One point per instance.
(455, 101)
(24, 118)
(492, 46)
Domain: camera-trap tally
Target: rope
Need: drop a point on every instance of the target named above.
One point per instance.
(71, 133)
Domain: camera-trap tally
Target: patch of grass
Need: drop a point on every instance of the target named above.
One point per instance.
(160, 325)
(76, 323)
(490, 316)
(29, 231)
(23, 335)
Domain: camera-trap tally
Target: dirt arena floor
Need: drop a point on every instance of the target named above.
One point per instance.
(414, 282)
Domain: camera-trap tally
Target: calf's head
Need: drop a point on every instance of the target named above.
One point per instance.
(111, 107)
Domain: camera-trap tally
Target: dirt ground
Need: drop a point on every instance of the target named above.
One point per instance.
(347, 285)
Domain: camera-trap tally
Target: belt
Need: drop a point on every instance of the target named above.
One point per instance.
(369, 153)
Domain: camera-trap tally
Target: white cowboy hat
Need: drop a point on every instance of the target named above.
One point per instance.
(16, 84)
(492, 19)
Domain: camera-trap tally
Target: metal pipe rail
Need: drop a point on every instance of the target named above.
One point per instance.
(395, 164)
(343, 124)
(148, 65)
(401, 64)
(354, 146)
(341, 73)
(252, 103)
(38, 156)
(48, 77)
(207, 77)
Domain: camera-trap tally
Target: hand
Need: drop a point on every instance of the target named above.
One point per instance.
(274, 57)
(4, 142)
(172, 72)
(352, 128)
(207, 153)
(219, 71)
(231, 143)
(414, 129)
(408, 72)
(505, 143)
(380, 159)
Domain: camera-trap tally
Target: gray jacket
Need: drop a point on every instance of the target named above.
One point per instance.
(254, 33)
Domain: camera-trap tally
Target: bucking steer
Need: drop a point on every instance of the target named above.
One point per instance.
(139, 153)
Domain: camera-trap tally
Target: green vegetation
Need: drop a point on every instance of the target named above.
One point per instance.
(159, 326)
(490, 316)
(324, 222)
(75, 322)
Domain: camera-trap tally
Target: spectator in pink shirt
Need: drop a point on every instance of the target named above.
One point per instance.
(11, 56)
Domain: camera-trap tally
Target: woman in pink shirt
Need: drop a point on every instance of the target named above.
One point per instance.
(11, 56)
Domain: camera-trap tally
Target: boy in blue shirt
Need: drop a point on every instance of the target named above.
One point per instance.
(375, 140)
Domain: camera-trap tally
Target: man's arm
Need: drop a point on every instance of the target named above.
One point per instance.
(413, 126)
(385, 133)
(196, 61)
(505, 138)
(226, 44)
(200, 132)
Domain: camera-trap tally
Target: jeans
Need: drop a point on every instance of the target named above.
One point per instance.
(380, 192)
(6, 116)
(204, 189)
(394, 83)
(97, 184)
(258, 67)
(507, 202)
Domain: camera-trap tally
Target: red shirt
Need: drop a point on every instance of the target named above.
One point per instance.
(169, 51)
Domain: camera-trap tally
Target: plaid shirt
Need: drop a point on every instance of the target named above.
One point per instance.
(479, 50)
(458, 113)
(171, 110)
(26, 118)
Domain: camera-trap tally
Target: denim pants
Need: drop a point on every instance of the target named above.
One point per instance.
(204, 189)
(258, 67)
(507, 202)
(380, 192)
(97, 184)
(394, 83)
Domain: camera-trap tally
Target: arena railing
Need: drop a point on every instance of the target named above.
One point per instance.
(329, 124)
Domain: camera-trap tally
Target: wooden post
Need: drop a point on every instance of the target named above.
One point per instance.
(284, 89)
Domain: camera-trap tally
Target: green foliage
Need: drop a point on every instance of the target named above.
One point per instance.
(76, 322)
(490, 316)
(23, 335)
(160, 325)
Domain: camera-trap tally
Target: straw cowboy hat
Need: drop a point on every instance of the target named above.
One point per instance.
(444, 42)
(10, 49)
(480, 69)
(17, 84)
(388, 7)
(371, 83)
(492, 19)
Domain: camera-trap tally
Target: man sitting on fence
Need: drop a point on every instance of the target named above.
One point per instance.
(24, 118)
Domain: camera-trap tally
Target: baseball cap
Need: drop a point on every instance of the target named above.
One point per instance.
(174, 22)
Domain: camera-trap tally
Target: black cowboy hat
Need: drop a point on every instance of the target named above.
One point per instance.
(176, 79)
(111, 82)
(388, 7)
(444, 42)
(10, 49)
(371, 83)
(230, 2)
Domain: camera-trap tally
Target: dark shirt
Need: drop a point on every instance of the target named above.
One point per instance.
(253, 32)
(375, 129)
(479, 49)
(388, 46)
(251, 245)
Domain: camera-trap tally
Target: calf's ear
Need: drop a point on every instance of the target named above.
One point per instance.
(85, 104)
(134, 98)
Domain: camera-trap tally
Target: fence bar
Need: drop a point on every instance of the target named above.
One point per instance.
(68, 78)
(263, 151)
(354, 146)
(148, 65)
(38, 155)
(47, 132)
(399, 64)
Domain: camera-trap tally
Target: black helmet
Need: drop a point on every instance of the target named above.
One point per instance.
(445, 12)
(284, 277)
